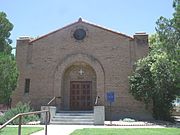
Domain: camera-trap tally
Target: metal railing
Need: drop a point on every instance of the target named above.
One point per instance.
(20, 115)
(97, 100)
(52, 100)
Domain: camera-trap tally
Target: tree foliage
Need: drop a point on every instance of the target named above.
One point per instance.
(5, 28)
(8, 76)
(156, 77)
(8, 68)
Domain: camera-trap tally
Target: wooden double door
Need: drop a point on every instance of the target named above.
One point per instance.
(81, 95)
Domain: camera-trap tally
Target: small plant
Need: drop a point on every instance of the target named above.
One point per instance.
(128, 120)
(20, 108)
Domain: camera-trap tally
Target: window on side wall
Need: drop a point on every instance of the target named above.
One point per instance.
(27, 85)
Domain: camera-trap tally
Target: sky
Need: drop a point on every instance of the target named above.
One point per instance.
(38, 17)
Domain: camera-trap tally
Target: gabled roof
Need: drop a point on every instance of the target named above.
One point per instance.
(85, 22)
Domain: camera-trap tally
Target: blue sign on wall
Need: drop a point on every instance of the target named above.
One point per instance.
(110, 97)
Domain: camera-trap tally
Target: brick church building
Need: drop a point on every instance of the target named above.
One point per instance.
(78, 63)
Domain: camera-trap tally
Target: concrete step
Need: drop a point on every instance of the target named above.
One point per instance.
(71, 123)
(73, 118)
(74, 113)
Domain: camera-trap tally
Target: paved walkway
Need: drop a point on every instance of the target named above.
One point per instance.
(61, 129)
(68, 129)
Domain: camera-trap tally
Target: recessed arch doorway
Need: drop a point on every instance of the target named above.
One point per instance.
(78, 87)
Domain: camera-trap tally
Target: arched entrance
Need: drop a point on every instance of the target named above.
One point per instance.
(72, 63)
(78, 87)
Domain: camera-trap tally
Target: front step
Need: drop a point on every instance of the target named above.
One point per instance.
(71, 123)
(74, 113)
(73, 118)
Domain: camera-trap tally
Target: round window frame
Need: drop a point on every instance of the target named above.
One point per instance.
(79, 34)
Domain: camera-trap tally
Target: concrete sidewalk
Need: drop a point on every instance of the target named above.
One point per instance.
(61, 129)
(68, 129)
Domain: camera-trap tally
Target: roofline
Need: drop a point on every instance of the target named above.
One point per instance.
(80, 20)
(107, 29)
(43, 36)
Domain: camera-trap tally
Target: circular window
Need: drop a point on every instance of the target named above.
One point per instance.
(79, 34)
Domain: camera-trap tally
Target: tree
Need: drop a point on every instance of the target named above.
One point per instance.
(8, 76)
(5, 28)
(8, 69)
(156, 77)
(141, 82)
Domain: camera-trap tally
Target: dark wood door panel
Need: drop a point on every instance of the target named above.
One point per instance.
(81, 95)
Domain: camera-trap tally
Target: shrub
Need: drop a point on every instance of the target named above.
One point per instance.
(20, 108)
(128, 120)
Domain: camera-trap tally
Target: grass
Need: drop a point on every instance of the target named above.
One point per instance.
(127, 131)
(24, 130)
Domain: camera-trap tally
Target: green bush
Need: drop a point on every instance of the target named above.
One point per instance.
(20, 108)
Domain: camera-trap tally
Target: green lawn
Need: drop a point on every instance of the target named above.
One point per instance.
(24, 130)
(127, 131)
